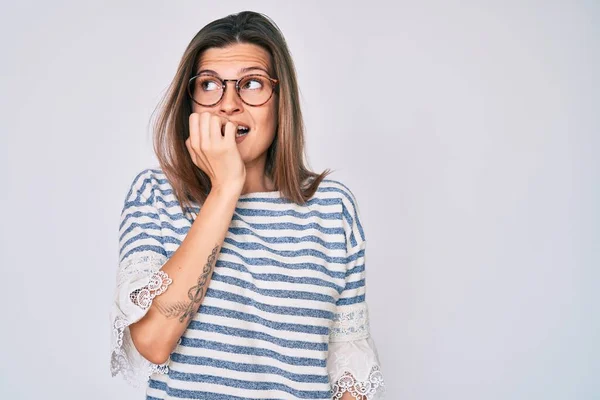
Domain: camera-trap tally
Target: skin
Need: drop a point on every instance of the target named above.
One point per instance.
(233, 62)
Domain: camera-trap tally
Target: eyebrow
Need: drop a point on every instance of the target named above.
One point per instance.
(241, 71)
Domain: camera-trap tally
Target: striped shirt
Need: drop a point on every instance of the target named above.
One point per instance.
(288, 283)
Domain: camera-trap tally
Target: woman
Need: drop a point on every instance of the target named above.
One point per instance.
(241, 273)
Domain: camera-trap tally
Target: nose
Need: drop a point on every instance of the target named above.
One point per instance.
(231, 102)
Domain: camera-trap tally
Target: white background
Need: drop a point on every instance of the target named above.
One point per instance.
(467, 130)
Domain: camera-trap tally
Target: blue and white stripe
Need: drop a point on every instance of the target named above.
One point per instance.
(262, 331)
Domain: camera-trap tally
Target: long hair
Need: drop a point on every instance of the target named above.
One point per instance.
(285, 164)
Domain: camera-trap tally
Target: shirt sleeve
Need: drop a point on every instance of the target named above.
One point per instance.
(141, 255)
(353, 363)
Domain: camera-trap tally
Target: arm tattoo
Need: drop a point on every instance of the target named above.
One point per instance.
(171, 310)
(185, 310)
(196, 293)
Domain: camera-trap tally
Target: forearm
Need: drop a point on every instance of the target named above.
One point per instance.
(190, 269)
(348, 396)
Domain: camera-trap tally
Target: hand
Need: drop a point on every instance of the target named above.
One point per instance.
(213, 149)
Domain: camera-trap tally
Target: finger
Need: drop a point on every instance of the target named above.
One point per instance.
(230, 132)
(205, 118)
(194, 121)
(216, 133)
(188, 145)
(195, 140)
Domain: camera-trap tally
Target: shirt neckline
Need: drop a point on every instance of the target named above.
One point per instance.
(269, 194)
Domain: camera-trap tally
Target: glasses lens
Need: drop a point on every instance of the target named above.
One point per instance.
(206, 89)
(255, 89)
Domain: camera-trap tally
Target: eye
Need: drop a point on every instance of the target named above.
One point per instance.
(208, 84)
(254, 83)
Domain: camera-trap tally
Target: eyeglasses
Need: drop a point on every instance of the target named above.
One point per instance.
(254, 90)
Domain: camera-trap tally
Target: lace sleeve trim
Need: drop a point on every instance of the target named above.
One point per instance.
(350, 323)
(120, 363)
(361, 390)
(158, 284)
(125, 359)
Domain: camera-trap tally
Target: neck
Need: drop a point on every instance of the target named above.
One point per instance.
(256, 180)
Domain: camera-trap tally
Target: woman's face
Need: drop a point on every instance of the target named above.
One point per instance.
(234, 62)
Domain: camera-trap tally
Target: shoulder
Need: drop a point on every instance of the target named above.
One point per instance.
(342, 191)
(147, 176)
(147, 182)
(350, 214)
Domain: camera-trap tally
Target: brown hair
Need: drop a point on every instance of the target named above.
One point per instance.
(285, 163)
